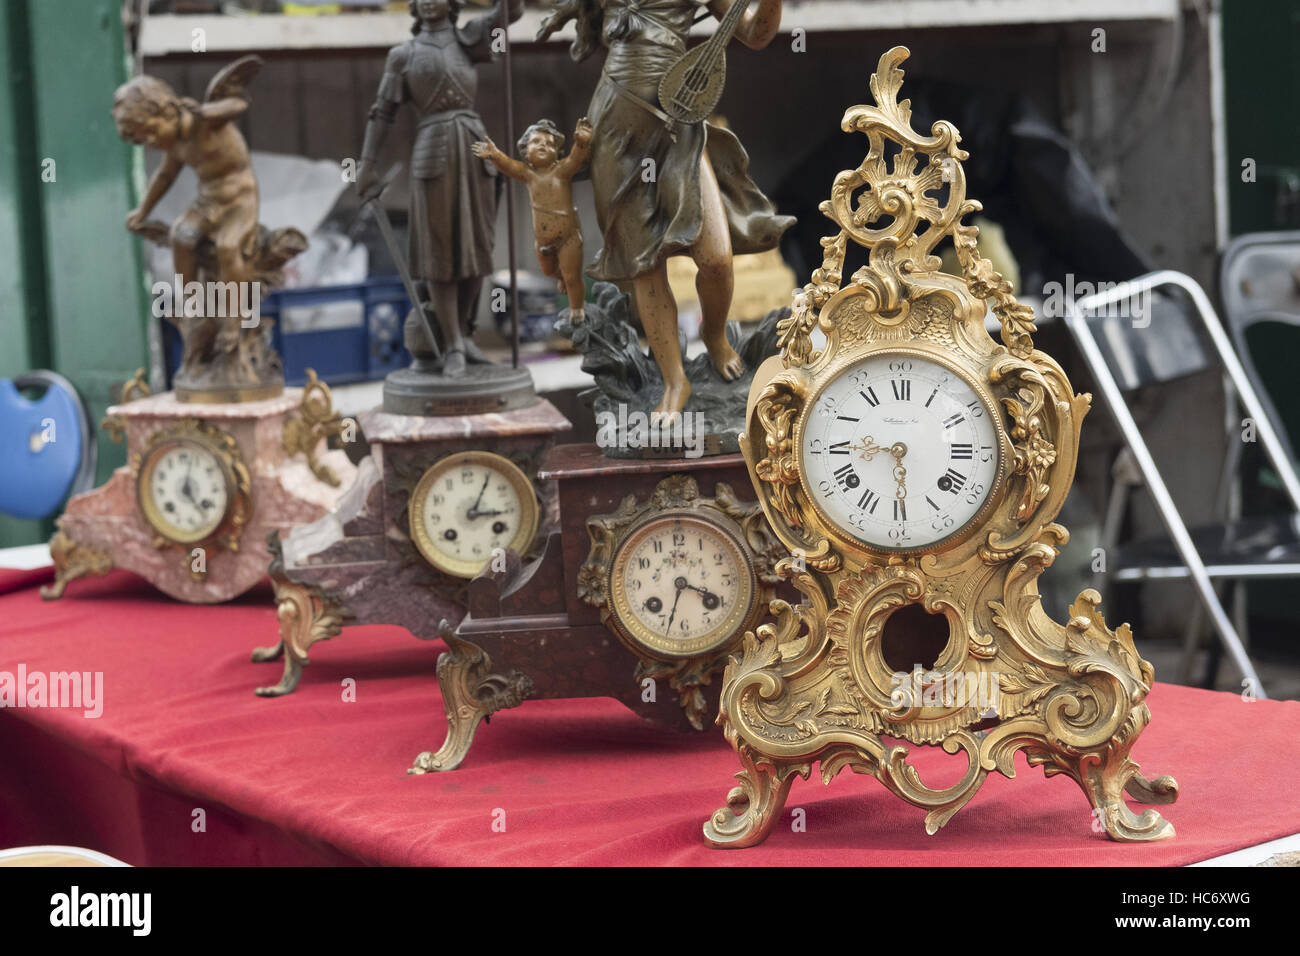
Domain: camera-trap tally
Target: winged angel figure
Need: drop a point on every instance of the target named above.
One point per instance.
(218, 239)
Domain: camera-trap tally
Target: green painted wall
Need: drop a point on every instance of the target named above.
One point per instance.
(1261, 66)
(72, 295)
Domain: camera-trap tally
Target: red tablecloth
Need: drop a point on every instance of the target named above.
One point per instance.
(310, 778)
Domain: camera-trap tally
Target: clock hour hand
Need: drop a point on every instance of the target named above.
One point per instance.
(867, 448)
(709, 599)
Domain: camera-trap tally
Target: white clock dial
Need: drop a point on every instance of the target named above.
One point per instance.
(680, 585)
(184, 489)
(468, 507)
(900, 452)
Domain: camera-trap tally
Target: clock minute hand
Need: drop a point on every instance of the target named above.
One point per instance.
(473, 509)
(681, 585)
(898, 450)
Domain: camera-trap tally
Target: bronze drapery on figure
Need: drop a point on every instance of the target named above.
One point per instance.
(227, 353)
(664, 187)
(453, 192)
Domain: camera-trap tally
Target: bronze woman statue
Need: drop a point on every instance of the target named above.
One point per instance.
(663, 187)
(453, 193)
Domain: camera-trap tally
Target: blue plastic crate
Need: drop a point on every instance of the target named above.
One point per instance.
(347, 333)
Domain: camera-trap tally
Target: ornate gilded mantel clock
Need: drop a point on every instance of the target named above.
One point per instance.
(915, 466)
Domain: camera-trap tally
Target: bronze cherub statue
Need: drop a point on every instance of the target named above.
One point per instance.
(557, 233)
(217, 241)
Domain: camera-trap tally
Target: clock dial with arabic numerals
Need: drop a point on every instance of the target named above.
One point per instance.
(184, 491)
(470, 506)
(681, 585)
(900, 452)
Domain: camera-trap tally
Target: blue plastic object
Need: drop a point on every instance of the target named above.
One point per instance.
(46, 445)
(347, 333)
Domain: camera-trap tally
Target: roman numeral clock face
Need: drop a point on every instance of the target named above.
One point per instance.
(900, 452)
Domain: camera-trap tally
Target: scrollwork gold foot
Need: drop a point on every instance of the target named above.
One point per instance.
(306, 614)
(263, 654)
(1105, 777)
(288, 680)
(471, 693)
(72, 561)
(754, 806)
(1125, 826)
(1163, 789)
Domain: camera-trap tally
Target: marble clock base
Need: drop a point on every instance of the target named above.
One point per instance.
(103, 528)
(358, 564)
(529, 635)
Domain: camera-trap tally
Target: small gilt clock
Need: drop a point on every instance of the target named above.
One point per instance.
(467, 507)
(914, 466)
(192, 487)
(682, 584)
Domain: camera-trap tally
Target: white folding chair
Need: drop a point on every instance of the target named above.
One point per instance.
(1274, 561)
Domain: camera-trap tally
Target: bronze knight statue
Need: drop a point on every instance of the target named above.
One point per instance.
(453, 192)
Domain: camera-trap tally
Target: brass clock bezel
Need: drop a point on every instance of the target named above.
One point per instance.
(528, 504)
(222, 447)
(657, 646)
(997, 492)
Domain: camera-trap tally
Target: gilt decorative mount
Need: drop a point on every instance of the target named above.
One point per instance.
(914, 466)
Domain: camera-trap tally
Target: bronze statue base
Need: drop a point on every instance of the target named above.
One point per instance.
(478, 390)
(629, 384)
(251, 373)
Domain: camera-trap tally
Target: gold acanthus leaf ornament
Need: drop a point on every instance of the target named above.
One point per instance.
(315, 423)
(136, 387)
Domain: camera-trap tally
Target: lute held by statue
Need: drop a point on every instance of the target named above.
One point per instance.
(692, 87)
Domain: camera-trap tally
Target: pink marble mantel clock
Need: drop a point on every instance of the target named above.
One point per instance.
(204, 486)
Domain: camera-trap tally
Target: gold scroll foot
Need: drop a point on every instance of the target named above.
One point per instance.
(72, 561)
(306, 614)
(471, 693)
(1163, 789)
(1105, 780)
(292, 670)
(754, 806)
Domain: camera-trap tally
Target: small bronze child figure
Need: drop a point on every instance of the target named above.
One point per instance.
(557, 234)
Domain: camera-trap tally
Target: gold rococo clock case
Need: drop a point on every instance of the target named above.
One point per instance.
(816, 685)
